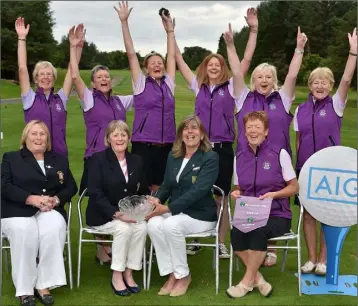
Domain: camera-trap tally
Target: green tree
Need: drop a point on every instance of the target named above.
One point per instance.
(193, 56)
(41, 44)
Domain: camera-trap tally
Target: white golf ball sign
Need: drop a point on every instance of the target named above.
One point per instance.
(328, 186)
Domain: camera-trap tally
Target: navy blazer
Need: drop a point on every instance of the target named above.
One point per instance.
(192, 195)
(107, 185)
(21, 176)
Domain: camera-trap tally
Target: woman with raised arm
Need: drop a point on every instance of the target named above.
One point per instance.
(216, 96)
(99, 107)
(153, 102)
(317, 123)
(44, 104)
(265, 95)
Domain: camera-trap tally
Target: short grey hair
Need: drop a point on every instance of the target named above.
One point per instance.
(96, 69)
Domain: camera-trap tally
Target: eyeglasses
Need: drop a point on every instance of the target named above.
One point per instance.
(48, 74)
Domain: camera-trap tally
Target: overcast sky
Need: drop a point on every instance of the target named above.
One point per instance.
(198, 23)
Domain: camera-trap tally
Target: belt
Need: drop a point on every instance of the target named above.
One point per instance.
(219, 145)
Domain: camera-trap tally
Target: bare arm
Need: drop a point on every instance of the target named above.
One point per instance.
(67, 84)
(290, 81)
(22, 32)
(184, 69)
(123, 14)
(74, 70)
(253, 23)
(168, 23)
(234, 62)
(290, 190)
(350, 66)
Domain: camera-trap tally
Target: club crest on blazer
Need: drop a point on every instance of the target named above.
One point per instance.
(60, 176)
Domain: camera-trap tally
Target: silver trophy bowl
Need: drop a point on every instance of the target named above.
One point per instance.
(135, 207)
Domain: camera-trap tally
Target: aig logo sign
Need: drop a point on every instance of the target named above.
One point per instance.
(328, 186)
(332, 185)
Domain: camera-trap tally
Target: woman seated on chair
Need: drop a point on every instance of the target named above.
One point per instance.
(192, 169)
(265, 171)
(113, 175)
(35, 185)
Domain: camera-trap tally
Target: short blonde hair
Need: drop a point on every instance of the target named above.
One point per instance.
(97, 68)
(114, 125)
(321, 73)
(28, 127)
(261, 67)
(179, 148)
(201, 71)
(43, 64)
(148, 56)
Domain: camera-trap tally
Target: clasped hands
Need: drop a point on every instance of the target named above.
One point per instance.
(44, 203)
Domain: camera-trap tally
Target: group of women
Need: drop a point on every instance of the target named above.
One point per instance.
(177, 166)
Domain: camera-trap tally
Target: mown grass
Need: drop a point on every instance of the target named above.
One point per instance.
(95, 288)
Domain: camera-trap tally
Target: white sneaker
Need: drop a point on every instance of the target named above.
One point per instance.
(321, 269)
(223, 252)
(308, 267)
(193, 250)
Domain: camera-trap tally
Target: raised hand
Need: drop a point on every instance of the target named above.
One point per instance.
(353, 41)
(168, 22)
(123, 11)
(74, 40)
(301, 39)
(80, 33)
(20, 28)
(229, 36)
(251, 18)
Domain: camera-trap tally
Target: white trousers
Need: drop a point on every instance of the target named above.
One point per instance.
(43, 235)
(167, 234)
(128, 243)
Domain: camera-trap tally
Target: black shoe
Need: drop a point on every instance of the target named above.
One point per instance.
(123, 292)
(135, 289)
(192, 250)
(46, 299)
(28, 301)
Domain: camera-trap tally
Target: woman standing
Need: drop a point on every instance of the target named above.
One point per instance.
(153, 102)
(44, 104)
(99, 105)
(215, 103)
(317, 123)
(266, 96)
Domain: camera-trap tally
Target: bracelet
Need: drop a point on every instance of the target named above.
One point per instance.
(253, 31)
(299, 51)
(170, 31)
(351, 53)
(23, 39)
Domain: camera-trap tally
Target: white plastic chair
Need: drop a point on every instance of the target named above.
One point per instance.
(89, 230)
(291, 236)
(214, 233)
(5, 247)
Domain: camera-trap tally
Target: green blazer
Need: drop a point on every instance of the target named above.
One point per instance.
(192, 195)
